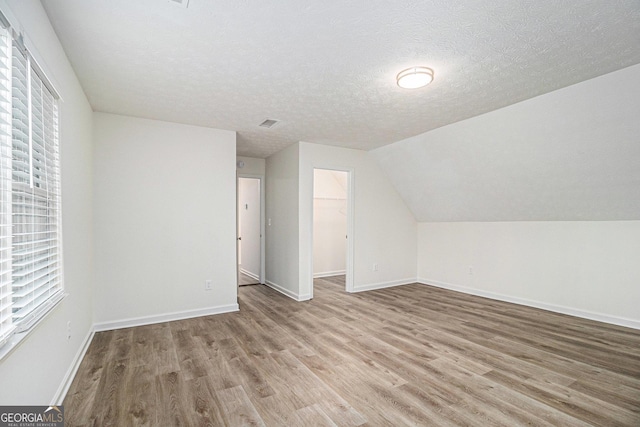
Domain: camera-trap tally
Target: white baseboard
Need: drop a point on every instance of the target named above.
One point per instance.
(250, 274)
(329, 274)
(61, 393)
(169, 317)
(287, 292)
(614, 320)
(382, 285)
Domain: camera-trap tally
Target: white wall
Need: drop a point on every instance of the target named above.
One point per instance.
(164, 220)
(385, 229)
(565, 157)
(249, 225)
(589, 269)
(329, 222)
(282, 269)
(252, 166)
(33, 372)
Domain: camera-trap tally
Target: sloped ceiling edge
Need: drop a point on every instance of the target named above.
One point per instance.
(569, 155)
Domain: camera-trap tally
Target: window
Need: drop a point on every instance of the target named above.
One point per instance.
(6, 323)
(30, 223)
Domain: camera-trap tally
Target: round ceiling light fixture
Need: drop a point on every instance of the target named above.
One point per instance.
(414, 77)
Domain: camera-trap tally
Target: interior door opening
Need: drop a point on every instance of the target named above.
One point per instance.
(331, 194)
(249, 231)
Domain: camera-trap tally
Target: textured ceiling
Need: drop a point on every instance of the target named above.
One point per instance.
(327, 69)
(569, 155)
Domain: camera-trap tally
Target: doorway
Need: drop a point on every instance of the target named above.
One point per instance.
(250, 262)
(331, 219)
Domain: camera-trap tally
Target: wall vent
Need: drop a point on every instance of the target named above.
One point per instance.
(269, 123)
(180, 3)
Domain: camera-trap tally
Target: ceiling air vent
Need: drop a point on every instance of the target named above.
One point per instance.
(269, 123)
(180, 3)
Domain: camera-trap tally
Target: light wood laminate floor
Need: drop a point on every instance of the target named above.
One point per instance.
(247, 280)
(409, 355)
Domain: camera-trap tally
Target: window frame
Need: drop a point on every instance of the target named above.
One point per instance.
(47, 148)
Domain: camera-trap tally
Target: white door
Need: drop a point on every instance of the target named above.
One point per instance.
(249, 230)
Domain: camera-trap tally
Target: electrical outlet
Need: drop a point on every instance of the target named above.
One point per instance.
(207, 285)
(470, 270)
(69, 330)
(375, 266)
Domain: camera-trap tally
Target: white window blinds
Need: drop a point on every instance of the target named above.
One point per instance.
(6, 302)
(30, 239)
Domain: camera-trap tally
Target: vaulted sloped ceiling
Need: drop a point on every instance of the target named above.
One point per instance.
(327, 69)
(572, 154)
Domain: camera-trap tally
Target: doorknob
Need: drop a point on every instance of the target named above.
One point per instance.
(239, 238)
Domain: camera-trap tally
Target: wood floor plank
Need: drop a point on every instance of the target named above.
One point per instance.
(206, 410)
(283, 339)
(172, 405)
(191, 359)
(164, 356)
(110, 404)
(375, 403)
(140, 407)
(304, 384)
(616, 394)
(409, 355)
(252, 343)
(568, 403)
(504, 408)
(564, 370)
(312, 416)
(250, 376)
(121, 344)
(482, 351)
(142, 340)
(237, 408)
(83, 391)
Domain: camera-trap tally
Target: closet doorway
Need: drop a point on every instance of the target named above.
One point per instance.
(331, 193)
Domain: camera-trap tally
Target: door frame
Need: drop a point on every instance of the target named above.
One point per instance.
(350, 225)
(262, 225)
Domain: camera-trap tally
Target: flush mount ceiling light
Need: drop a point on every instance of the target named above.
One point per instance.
(414, 77)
